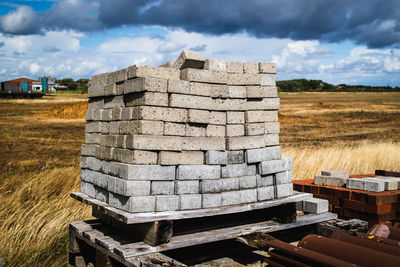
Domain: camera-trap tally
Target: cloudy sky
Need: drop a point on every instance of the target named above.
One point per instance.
(338, 41)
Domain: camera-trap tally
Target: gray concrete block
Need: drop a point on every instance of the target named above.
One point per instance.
(215, 130)
(172, 128)
(101, 194)
(268, 79)
(235, 157)
(238, 170)
(248, 195)
(266, 67)
(336, 181)
(211, 200)
(237, 91)
(336, 173)
(284, 190)
(191, 101)
(248, 182)
(205, 76)
(100, 179)
(144, 84)
(120, 202)
(131, 188)
(162, 187)
(265, 180)
(265, 193)
(218, 118)
(263, 154)
(230, 198)
(150, 71)
(114, 101)
(198, 172)
(143, 172)
(283, 177)
(83, 163)
(216, 157)
(187, 187)
(355, 183)
(181, 158)
(203, 143)
(316, 205)
(92, 138)
(300, 205)
(198, 116)
(321, 180)
(190, 202)
(94, 164)
(250, 67)
(271, 140)
(272, 127)
(261, 91)
(151, 142)
(235, 130)
(260, 116)
(390, 184)
(141, 204)
(257, 128)
(245, 142)
(374, 185)
(189, 59)
(178, 86)
(88, 189)
(167, 203)
(219, 185)
(274, 166)
(244, 79)
(146, 99)
(215, 64)
(197, 130)
(159, 114)
(235, 117)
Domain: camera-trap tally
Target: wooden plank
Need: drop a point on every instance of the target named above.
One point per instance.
(133, 218)
(141, 248)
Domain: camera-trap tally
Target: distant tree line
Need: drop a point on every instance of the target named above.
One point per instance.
(303, 85)
(79, 85)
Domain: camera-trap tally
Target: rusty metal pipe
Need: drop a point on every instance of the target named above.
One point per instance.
(379, 239)
(366, 243)
(308, 255)
(348, 252)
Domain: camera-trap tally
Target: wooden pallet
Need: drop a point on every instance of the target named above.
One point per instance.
(105, 245)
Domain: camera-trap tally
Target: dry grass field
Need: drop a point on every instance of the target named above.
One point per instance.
(40, 146)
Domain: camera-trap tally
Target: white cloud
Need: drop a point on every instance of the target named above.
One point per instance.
(22, 20)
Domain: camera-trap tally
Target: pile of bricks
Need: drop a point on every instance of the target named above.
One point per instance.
(191, 134)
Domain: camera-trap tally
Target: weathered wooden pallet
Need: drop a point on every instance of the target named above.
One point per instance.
(114, 246)
(135, 218)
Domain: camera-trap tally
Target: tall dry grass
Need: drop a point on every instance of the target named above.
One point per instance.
(362, 158)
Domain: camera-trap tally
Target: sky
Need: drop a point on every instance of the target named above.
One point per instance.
(337, 41)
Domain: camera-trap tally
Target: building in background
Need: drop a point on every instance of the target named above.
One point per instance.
(28, 86)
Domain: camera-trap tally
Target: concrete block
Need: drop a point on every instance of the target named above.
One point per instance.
(248, 195)
(146, 99)
(93, 127)
(218, 118)
(316, 205)
(248, 182)
(83, 162)
(283, 177)
(355, 183)
(93, 138)
(198, 172)
(190, 101)
(94, 164)
(105, 128)
(145, 127)
(265, 193)
(250, 67)
(156, 72)
(300, 205)
(245, 142)
(197, 130)
(101, 194)
(373, 185)
(271, 140)
(215, 64)
(88, 189)
(265, 67)
(162, 187)
(238, 170)
(97, 85)
(141, 204)
(211, 200)
(321, 180)
(215, 130)
(181, 158)
(235, 157)
(205, 76)
(159, 114)
(167, 203)
(134, 156)
(114, 127)
(114, 101)
(245, 79)
(229, 104)
(172, 128)
(233, 117)
(235, 130)
(96, 103)
(203, 143)
(168, 64)
(142, 172)
(336, 173)
(89, 150)
(274, 166)
(219, 185)
(189, 59)
(335, 181)
(105, 153)
(272, 127)
(261, 91)
(218, 90)
(230, 198)
(130, 188)
(148, 142)
(178, 86)
(237, 91)
(190, 202)
(201, 89)
(234, 67)
(266, 104)
(261, 116)
(187, 187)
(284, 190)
(145, 84)
(265, 180)
(255, 128)
(263, 154)
(216, 157)
(106, 114)
(118, 76)
(101, 180)
(198, 116)
(391, 183)
(268, 79)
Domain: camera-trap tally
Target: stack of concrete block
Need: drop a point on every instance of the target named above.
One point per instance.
(332, 178)
(197, 133)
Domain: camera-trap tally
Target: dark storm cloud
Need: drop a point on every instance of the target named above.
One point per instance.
(374, 22)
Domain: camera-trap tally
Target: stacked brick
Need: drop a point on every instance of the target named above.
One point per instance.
(195, 134)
